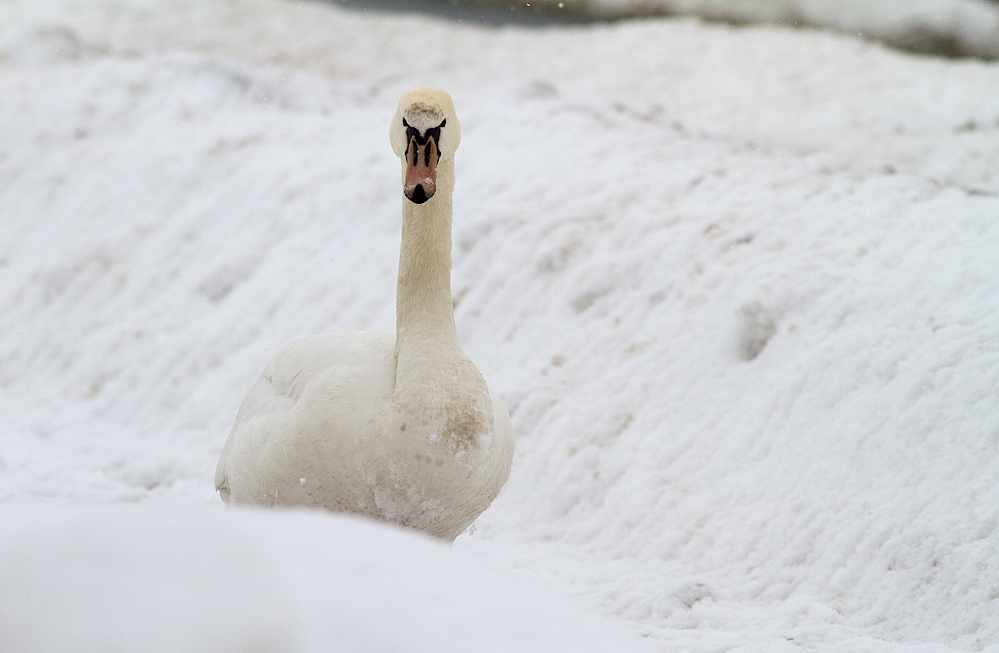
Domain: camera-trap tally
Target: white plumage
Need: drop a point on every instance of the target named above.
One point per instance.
(398, 426)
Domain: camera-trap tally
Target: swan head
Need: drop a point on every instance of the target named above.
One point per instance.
(424, 132)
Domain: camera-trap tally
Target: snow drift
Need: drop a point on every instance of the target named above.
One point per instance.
(737, 286)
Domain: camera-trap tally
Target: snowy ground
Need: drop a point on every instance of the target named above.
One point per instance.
(738, 286)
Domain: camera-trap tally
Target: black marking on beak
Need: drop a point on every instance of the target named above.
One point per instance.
(419, 195)
(421, 139)
(421, 178)
(422, 155)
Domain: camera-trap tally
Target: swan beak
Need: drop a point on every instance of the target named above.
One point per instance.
(421, 169)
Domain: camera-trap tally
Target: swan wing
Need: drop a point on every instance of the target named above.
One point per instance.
(332, 378)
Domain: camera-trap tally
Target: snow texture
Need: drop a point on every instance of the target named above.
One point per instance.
(738, 287)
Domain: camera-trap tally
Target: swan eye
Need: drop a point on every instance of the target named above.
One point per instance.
(404, 123)
(443, 122)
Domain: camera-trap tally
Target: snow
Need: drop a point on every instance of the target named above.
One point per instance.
(951, 27)
(737, 286)
(188, 580)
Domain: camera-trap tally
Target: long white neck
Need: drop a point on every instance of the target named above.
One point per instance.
(424, 313)
(436, 385)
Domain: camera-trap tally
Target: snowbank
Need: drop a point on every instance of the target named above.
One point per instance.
(201, 580)
(737, 286)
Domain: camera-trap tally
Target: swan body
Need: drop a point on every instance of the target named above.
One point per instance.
(398, 426)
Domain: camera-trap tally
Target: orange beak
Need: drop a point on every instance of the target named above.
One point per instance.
(421, 169)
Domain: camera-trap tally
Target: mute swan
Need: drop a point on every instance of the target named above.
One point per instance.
(396, 426)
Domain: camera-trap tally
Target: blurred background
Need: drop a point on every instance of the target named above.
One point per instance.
(952, 28)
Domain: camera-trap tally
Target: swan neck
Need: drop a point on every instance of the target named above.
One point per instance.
(424, 312)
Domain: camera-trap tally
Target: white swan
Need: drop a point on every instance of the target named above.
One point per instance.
(396, 426)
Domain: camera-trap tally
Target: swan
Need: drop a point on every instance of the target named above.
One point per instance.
(397, 426)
